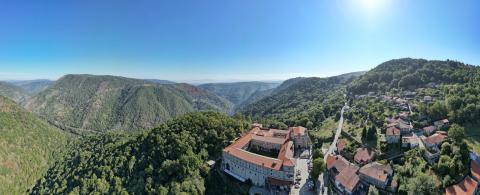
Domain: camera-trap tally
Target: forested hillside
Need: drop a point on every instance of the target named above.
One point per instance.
(33, 86)
(170, 159)
(28, 145)
(410, 73)
(238, 93)
(13, 92)
(99, 103)
(301, 101)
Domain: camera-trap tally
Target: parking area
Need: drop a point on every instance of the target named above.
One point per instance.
(304, 185)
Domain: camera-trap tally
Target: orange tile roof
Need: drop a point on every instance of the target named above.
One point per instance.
(257, 159)
(436, 138)
(341, 144)
(336, 161)
(364, 155)
(348, 177)
(275, 140)
(377, 171)
(285, 155)
(430, 129)
(298, 130)
(475, 169)
(393, 131)
(467, 186)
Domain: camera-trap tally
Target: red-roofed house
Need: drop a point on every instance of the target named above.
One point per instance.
(392, 135)
(341, 145)
(364, 156)
(475, 170)
(441, 123)
(429, 130)
(343, 174)
(379, 175)
(435, 139)
(467, 186)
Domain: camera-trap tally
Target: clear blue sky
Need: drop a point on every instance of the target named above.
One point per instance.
(187, 40)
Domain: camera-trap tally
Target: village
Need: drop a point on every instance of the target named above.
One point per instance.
(280, 161)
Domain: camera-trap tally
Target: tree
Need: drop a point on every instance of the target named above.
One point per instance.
(317, 153)
(457, 133)
(446, 149)
(318, 167)
(422, 184)
(364, 132)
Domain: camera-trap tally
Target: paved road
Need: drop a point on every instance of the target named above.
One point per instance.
(302, 165)
(337, 134)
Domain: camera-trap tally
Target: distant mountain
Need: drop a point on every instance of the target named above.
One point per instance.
(28, 146)
(301, 101)
(408, 73)
(13, 92)
(157, 81)
(99, 103)
(239, 92)
(33, 86)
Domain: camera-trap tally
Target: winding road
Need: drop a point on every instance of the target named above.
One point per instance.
(337, 134)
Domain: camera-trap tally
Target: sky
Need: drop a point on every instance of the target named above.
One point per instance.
(227, 40)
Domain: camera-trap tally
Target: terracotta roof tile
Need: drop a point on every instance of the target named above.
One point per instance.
(348, 177)
(298, 130)
(475, 169)
(393, 131)
(341, 144)
(466, 186)
(285, 157)
(364, 155)
(436, 138)
(377, 171)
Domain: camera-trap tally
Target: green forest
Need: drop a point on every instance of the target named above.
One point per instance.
(170, 159)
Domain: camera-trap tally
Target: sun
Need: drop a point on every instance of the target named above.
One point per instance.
(372, 5)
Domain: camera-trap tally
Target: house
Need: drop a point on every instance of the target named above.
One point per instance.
(343, 174)
(409, 95)
(379, 175)
(467, 186)
(475, 170)
(409, 141)
(347, 181)
(405, 128)
(435, 140)
(441, 123)
(427, 99)
(299, 135)
(341, 145)
(364, 155)
(392, 135)
(405, 115)
(429, 130)
(431, 154)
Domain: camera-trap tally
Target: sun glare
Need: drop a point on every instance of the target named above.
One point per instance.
(372, 5)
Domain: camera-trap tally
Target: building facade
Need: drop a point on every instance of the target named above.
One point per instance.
(264, 156)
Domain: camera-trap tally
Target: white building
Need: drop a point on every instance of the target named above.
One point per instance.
(240, 161)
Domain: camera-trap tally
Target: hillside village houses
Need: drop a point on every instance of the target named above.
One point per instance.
(265, 156)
